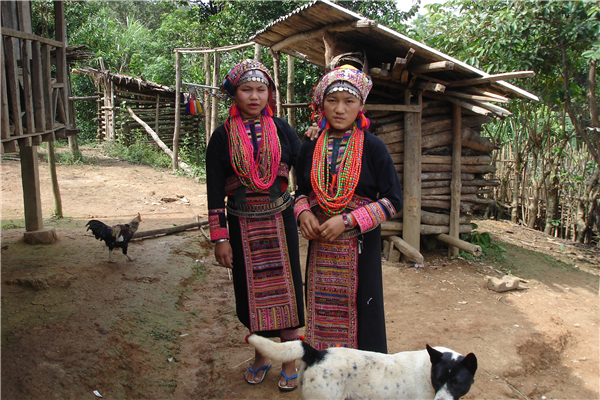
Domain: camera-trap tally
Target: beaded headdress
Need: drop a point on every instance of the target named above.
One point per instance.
(247, 70)
(344, 78)
(346, 74)
(255, 172)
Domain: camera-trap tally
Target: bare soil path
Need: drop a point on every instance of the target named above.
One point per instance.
(164, 326)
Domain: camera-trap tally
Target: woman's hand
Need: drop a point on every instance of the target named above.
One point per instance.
(224, 254)
(312, 132)
(332, 228)
(309, 225)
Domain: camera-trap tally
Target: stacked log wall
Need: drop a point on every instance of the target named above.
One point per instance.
(144, 106)
(436, 165)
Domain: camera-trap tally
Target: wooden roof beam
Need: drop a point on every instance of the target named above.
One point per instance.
(480, 97)
(433, 67)
(400, 64)
(316, 33)
(492, 78)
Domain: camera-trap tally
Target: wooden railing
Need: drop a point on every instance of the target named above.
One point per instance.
(34, 90)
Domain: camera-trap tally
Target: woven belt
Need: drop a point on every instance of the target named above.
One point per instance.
(259, 211)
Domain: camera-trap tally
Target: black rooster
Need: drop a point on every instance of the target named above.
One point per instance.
(115, 236)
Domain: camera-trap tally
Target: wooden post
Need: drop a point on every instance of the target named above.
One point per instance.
(60, 33)
(177, 110)
(30, 178)
(455, 183)
(257, 53)
(28, 91)
(5, 128)
(207, 107)
(276, 58)
(157, 114)
(47, 90)
(411, 219)
(215, 100)
(291, 111)
(111, 115)
(54, 180)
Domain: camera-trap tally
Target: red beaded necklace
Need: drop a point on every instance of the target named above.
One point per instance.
(258, 174)
(333, 195)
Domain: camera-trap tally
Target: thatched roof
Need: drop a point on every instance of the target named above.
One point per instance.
(300, 34)
(125, 81)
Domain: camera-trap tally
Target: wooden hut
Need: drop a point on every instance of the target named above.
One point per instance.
(151, 102)
(428, 108)
(34, 103)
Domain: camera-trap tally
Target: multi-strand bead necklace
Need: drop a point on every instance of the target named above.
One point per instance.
(334, 194)
(256, 174)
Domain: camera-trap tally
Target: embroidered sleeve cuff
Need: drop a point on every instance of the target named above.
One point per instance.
(301, 205)
(217, 224)
(373, 214)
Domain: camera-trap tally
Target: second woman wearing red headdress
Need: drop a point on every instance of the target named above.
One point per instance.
(347, 186)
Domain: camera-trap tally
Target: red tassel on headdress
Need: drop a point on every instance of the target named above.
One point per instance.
(267, 111)
(363, 122)
(233, 111)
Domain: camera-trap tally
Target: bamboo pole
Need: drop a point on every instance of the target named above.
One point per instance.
(455, 182)
(276, 58)
(175, 154)
(291, 112)
(215, 101)
(207, 106)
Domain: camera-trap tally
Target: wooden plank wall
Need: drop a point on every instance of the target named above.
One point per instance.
(32, 103)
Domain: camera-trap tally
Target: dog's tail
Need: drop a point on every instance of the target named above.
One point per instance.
(286, 351)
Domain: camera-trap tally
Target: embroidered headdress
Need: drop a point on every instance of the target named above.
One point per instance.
(247, 70)
(255, 172)
(347, 77)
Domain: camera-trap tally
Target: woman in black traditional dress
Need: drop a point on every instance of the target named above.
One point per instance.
(248, 161)
(347, 186)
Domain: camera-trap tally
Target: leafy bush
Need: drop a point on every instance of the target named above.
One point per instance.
(488, 248)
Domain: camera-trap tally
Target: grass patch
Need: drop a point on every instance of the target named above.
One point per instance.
(12, 225)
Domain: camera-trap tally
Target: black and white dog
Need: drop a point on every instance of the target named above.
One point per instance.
(341, 373)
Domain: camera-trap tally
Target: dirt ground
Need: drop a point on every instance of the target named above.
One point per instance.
(164, 325)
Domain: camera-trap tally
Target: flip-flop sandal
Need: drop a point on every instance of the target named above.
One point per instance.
(254, 381)
(287, 388)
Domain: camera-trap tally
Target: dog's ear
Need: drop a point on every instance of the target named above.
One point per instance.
(434, 355)
(470, 363)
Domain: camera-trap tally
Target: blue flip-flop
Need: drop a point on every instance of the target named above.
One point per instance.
(255, 382)
(287, 388)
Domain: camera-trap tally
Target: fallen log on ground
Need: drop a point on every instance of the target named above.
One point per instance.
(168, 231)
(461, 244)
(406, 249)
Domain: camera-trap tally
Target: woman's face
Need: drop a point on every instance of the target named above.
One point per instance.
(341, 110)
(251, 97)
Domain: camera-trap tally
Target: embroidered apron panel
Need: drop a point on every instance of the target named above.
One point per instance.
(332, 284)
(271, 295)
